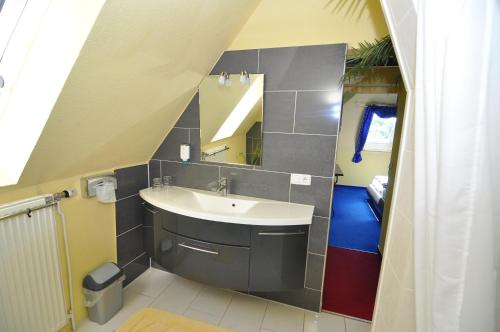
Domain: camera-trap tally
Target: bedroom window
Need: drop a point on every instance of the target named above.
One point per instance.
(381, 134)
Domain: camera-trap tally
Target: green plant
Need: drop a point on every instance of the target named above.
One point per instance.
(255, 153)
(368, 55)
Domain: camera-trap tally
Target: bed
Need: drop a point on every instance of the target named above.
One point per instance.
(377, 192)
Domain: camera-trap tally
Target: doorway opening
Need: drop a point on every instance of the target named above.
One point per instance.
(367, 151)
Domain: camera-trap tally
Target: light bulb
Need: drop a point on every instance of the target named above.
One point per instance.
(222, 78)
(228, 81)
(244, 77)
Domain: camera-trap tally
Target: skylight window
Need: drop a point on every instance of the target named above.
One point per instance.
(10, 13)
(381, 134)
(20, 123)
(40, 41)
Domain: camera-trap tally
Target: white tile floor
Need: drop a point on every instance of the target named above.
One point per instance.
(233, 310)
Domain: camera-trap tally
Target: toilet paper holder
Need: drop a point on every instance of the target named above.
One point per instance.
(90, 183)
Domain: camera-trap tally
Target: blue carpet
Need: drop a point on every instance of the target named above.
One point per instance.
(353, 225)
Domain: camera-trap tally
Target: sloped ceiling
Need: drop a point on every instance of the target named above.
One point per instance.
(140, 66)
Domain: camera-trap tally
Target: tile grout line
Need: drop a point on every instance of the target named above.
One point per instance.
(314, 289)
(306, 277)
(304, 321)
(192, 301)
(312, 253)
(133, 260)
(149, 177)
(184, 128)
(129, 230)
(264, 315)
(225, 311)
(331, 90)
(164, 290)
(242, 168)
(296, 133)
(258, 60)
(294, 112)
(126, 197)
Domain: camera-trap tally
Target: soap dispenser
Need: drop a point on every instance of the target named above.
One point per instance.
(185, 153)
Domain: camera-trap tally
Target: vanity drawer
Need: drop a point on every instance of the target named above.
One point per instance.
(215, 264)
(205, 230)
(278, 260)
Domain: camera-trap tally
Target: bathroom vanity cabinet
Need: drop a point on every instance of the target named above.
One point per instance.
(229, 255)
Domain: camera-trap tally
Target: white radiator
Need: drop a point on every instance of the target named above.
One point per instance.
(31, 288)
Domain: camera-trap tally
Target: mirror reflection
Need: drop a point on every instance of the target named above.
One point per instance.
(231, 113)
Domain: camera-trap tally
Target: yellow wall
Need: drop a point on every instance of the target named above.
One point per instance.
(138, 69)
(373, 163)
(90, 225)
(362, 174)
(280, 23)
(41, 53)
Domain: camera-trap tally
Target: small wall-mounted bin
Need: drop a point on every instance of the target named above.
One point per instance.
(101, 186)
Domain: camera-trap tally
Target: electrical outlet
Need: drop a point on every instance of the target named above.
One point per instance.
(300, 179)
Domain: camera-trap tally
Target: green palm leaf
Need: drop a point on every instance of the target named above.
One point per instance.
(368, 55)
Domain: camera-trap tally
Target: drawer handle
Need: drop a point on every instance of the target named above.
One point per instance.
(152, 211)
(281, 233)
(211, 252)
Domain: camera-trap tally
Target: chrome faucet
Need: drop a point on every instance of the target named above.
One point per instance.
(223, 186)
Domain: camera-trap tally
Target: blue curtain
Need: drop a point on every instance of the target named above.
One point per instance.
(364, 128)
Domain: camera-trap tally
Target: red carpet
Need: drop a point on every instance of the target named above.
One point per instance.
(351, 282)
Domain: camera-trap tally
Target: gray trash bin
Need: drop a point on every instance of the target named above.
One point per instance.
(103, 289)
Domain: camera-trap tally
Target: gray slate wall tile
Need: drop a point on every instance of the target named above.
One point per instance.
(233, 62)
(194, 141)
(307, 154)
(319, 194)
(314, 274)
(257, 183)
(190, 118)
(135, 269)
(130, 180)
(191, 175)
(154, 170)
(129, 246)
(128, 213)
(278, 111)
(169, 149)
(318, 235)
(303, 68)
(318, 112)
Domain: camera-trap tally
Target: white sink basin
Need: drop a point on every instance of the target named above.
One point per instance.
(235, 209)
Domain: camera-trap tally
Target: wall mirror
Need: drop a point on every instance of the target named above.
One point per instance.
(231, 113)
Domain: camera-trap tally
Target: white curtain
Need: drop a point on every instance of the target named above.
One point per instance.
(457, 165)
